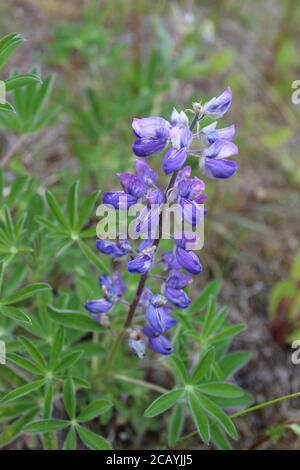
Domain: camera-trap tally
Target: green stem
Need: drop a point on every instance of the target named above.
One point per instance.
(140, 382)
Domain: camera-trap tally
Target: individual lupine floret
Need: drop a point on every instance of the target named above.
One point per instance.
(144, 260)
(186, 257)
(158, 342)
(114, 250)
(113, 288)
(214, 162)
(157, 314)
(173, 289)
(218, 106)
(137, 343)
(212, 134)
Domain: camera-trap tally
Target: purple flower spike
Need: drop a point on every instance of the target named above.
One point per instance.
(188, 260)
(218, 106)
(174, 159)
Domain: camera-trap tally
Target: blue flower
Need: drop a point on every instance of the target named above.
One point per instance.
(143, 262)
(158, 343)
(114, 249)
(214, 163)
(152, 135)
(218, 106)
(157, 314)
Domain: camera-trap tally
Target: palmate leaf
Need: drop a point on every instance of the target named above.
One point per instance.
(73, 204)
(163, 403)
(233, 361)
(70, 441)
(24, 363)
(179, 368)
(68, 361)
(93, 441)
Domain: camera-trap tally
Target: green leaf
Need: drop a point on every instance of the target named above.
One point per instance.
(94, 409)
(70, 441)
(57, 346)
(209, 317)
(23, 390)
(228, 332)
(219, 439)
(48, 401)
(68, 361)
(86, 208)
(24, 363)
(210, 289)
(33, 352)
(73, 319)
(46, 425)
(7, 108)
(163, 403)
(69, 398)
(233, 361)
(73, 204)
(21, 80)
(218, 414)
(175, 425)
(92, 257)
(199, 417)
(216, 389)
(93, 441)
(15, 313)
(179, 368)
(56, 210)
(203, 366)
(25, 293)
(12, 431)
(7, 46)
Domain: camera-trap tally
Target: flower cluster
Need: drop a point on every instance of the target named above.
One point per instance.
(212, 146)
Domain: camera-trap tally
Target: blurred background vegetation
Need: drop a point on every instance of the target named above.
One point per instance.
(117, 59)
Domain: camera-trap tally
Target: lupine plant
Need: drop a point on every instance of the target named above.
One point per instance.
(78, 372)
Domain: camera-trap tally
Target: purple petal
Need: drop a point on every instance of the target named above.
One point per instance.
(145, 147)
(227, 133)
(168, 257)
(144, 172)
(119, 199)
(118, 284)
(177, 297)
(158, 319)
(191, 212)
(219, 168)
(98, 306)
(218, 106)
(133, 184)
(189, 261)
(173, 160)
(161, 345)
(140, 265)
(148, 220)
(150, 127)
(178, 280)
(114, 250)
(221, 149)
